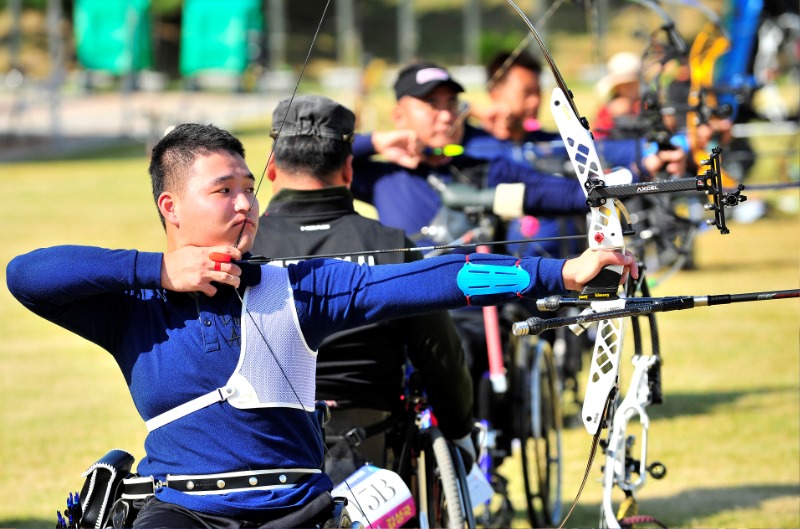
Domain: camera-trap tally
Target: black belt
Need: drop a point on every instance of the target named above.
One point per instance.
(141, 487)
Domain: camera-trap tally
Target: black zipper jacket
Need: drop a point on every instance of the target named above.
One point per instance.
(365, 367)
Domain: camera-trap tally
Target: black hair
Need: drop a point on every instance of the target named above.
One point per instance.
(317, 156)
(175, 153)
(523, 60)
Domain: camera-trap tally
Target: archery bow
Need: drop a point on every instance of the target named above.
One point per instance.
(711, 43)
(605, 233)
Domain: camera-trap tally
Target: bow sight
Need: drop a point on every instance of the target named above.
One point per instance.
(710, 182)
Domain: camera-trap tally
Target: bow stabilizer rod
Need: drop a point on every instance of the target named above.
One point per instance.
(635, 307)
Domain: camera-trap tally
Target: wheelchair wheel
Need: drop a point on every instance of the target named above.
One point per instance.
(443, 500)
(537, 391)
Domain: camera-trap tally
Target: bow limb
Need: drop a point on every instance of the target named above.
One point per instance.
(712, 15)
(464, 113)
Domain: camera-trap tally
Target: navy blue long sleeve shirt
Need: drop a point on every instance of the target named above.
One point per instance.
(172, 347)
(405, 200)
(548, 147)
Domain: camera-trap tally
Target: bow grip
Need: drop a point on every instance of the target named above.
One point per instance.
(604, 285)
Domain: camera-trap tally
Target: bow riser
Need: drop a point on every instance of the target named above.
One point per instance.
(603, 372)
(605, 233)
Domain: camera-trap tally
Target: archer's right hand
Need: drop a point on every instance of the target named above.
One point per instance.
(398, 146)
(191, 269)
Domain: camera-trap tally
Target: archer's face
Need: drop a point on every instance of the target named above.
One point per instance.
(217, 203)
(431, 116)
(519, 92)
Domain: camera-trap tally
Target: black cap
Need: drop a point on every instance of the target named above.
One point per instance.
(420, 79)
(310, 115)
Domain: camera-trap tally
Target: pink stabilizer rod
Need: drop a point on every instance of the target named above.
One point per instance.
(491, 323)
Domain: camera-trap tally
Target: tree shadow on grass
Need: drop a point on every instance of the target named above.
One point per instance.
(29, 522)
(685, 507)
(687, 404)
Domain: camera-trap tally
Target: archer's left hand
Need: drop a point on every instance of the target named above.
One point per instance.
(577, 272)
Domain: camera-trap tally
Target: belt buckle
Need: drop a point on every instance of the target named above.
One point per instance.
(355, 436)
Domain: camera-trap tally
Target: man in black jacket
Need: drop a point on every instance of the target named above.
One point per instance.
(312, 213)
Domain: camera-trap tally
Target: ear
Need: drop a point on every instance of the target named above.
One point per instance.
(399, 116)
(271, 169)
(168, 207)
(347, 171)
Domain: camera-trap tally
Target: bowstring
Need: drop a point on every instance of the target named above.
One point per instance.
(509, 62)
(283, 121)
(326, 451)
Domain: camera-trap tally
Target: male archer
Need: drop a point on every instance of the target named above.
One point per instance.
(360, 371)
(219, 356)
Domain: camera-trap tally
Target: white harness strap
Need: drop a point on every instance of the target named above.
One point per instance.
(218, 395)
(276, 368)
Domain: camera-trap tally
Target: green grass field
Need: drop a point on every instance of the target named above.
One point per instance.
(729, 431)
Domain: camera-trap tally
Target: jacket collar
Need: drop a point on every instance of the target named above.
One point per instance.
(305, 202)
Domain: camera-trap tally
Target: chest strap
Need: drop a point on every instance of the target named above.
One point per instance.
(218, 395)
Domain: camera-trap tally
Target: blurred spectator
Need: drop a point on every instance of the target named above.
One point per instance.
(620, 89)
(516, 95)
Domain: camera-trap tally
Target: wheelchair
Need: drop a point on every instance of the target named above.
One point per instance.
(416, 450)
(109, 499)
(524, 421)
(527, 416)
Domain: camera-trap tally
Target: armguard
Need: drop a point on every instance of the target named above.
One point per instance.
(478, 279)
(103, 486)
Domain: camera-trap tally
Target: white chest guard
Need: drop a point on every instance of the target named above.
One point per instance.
(276, 368)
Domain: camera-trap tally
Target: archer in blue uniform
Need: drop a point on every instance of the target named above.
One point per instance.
(512, 130)
(219, 357)
(512, 127)
(400, 189)
(426, 117)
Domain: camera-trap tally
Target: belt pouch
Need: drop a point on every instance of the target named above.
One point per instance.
(103, 486)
